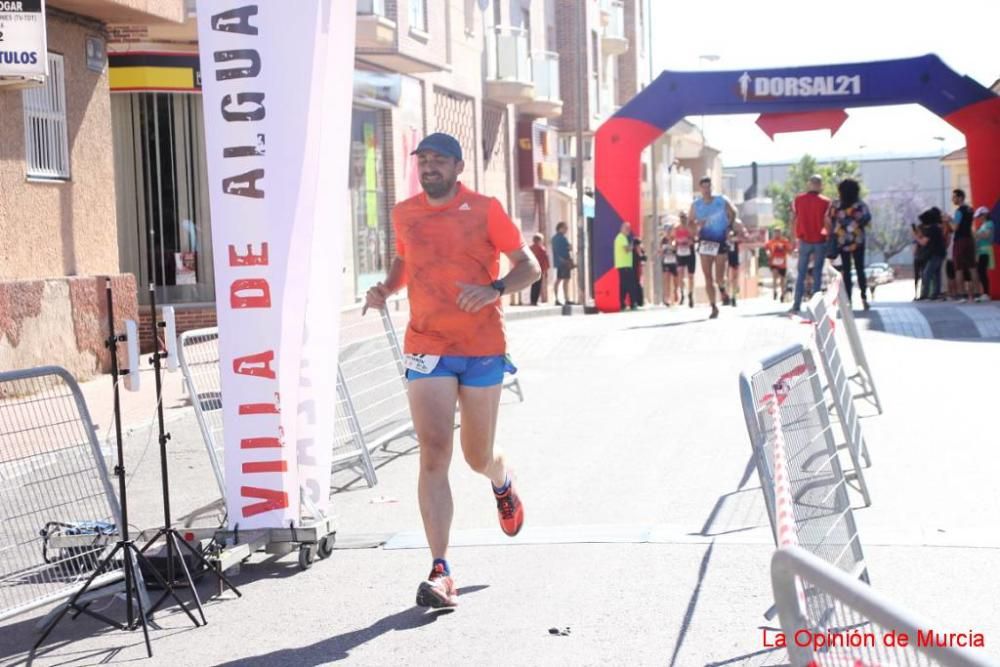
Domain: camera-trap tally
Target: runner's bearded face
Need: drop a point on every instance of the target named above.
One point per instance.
(438, 173)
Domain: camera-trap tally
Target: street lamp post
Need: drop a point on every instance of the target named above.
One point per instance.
(583, 267)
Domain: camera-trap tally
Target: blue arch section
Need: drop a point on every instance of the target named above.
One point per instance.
(923, 80)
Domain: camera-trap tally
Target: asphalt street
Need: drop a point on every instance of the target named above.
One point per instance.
(647, 540)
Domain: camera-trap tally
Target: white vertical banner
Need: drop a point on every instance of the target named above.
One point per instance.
(318, 379)
(273, 106)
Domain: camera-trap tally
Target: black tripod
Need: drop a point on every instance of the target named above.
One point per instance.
(129, 552)
(173, 540)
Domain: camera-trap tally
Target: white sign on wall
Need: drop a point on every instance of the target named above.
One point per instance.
(22, 38)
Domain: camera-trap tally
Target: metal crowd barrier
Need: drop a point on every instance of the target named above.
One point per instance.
(53, 484)
(863, 373)
(372, 405)
(824, 327)
(831, 619)
(784, 408)
(371, 363)
(198, 353)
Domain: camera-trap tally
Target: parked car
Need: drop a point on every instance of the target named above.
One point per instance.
(879, 273)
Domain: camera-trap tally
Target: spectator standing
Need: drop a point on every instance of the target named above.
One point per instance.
(638, 263)
(963, 253)
(849, 218)
(985, 260)
(541, 253)
(920, 256)
(625, 267)
(809, 219)
(934, 249)
(562, 259)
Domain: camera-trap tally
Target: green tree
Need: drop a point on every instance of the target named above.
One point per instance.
(784, 194)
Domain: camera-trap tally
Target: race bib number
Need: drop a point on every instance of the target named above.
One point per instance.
(778, 262)
(709, 248)
(683, 251)
(670, 258)
(421, 363)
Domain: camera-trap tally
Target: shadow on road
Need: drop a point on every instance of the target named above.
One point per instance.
(692, 603)
(339, 647)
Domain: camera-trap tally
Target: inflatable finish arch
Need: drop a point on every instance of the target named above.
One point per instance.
(964, 103)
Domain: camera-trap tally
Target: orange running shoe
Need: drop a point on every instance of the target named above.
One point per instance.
(511, 510)
(438, 591)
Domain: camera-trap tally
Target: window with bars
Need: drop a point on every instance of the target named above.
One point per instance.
(45, 140)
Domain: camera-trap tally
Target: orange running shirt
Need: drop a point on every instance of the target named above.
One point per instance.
(444, 245)
(777, 252)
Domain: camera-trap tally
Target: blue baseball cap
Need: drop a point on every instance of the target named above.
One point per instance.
(442, 143)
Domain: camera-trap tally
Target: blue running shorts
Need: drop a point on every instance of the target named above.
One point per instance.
(470, 371)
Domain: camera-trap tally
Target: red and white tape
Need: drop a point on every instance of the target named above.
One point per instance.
(784, 510)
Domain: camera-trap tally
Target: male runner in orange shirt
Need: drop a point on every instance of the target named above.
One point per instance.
(448, 245)
(778, 250)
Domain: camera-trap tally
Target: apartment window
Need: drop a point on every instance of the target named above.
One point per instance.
(418, 14)
(566, 154)
(469, 14)
(45, 140)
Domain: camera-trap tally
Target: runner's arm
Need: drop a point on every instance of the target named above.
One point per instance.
(730, 210)
(395, 280)
(524, 271)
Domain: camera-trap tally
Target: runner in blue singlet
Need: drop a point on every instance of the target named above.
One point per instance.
(714, 215)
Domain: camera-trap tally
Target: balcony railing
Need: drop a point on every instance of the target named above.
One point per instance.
(546, 75)
(508, 56)
(374, 7)
(615, 10)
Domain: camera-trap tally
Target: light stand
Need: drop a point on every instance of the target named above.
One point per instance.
(173, 540)
(130, 552)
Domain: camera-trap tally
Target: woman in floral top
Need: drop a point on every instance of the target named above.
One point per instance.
(849, 218)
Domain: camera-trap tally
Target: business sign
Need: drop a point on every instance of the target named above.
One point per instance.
(277, 98)
(22, 38)
(537, 162)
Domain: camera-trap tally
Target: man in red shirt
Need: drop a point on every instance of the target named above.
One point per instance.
(448, 245)
(541, 253)
(809, 214)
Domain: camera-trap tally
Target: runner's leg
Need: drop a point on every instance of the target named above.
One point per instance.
(432, 405)
(479, 408)
(721, 268)
(707, 267)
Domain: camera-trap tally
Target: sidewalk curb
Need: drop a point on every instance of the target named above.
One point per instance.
(515, 313)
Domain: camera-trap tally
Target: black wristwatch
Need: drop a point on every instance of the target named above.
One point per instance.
(499, 286)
